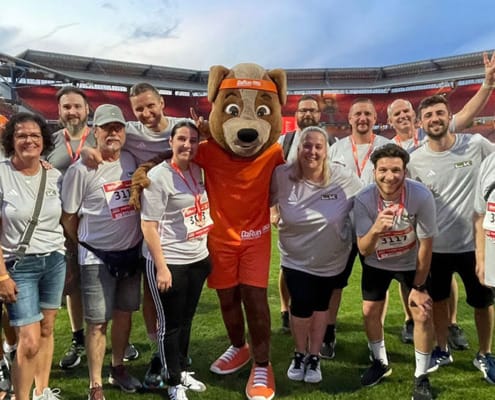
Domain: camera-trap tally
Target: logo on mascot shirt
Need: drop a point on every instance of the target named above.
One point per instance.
(253, 234)
(254, 84)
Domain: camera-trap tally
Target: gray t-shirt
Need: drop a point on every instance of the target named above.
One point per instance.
(451, 176)
(59, 156)
(145, 144)
(100, 198)
(18, 195)
(418, 213)
(165, 201)
(485, 183)
(341, 152)
(315, 233)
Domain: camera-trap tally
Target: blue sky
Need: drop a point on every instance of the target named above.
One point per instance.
(272, 33)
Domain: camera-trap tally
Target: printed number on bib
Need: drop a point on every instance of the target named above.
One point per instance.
(489, 221)
(117, 196)
(395, 243)
(197, 225)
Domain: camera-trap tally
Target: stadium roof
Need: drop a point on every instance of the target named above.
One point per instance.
(55, 68)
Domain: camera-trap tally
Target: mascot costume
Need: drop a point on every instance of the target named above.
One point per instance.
(238, 160)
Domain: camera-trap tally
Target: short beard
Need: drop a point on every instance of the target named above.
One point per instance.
(75, 129)
(304, 123)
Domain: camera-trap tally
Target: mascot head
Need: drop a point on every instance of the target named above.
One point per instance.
(246, 113)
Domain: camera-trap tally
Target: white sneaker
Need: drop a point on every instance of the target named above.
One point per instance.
(296, 368)
(313, 371)
(48, 394)
(187, 380)
(177, 392)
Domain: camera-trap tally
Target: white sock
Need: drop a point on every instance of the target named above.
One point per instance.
(422, 363)
(7, 348)
(379, 351)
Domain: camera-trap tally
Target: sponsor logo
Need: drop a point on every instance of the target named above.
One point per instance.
(252, 234)
(463, 164)
(329, 196)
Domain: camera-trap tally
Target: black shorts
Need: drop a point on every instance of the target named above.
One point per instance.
(342, 279)
(443, 265)
(308, 292)
(375, 281)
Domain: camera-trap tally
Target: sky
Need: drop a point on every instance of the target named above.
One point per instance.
(197, 34)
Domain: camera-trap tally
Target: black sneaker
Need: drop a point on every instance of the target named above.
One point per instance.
(422, 388)
(439, 358)
(407, 333)
(153, 377)
(72, 357)
(375, 373)
(457, 339)
(121, 378)
(5, 383)
(327, 350)
(131, 353)
(284, 316)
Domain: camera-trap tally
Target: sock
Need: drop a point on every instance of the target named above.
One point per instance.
(78, 336)
(329, 334)
(422, 363)
(379, 351)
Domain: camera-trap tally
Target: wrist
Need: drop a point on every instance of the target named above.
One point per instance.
(4, 277)
(420, 288)
(486, 85)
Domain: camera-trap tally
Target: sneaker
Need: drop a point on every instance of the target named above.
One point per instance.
(486, 364)
(327, 350)
(232, 360)
(296, 367)
(375, 373)
(153, 377)
(439, 358)
(96, 393)
(190, 383)
(131, 353)
(313, 371)
(407, 332)
(284, 316)
(47, 394)
(72, 357)
(121, 378)
(177, 392)
(261, 383)
(457, 339)
(5, 383)
(422, 388)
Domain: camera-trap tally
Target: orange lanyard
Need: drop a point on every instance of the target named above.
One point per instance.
(195, 193)
(366, 157)
(400, 207)
(75, 156)
(415, 140)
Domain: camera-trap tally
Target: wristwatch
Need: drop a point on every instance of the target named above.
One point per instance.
(420, 288)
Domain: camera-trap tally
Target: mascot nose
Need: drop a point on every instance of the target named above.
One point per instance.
(247, 135)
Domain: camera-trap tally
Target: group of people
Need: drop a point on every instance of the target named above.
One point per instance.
(406, 206)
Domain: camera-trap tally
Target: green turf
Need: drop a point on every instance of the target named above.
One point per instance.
(340, 376)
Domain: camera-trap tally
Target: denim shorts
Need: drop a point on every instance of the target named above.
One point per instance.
(40, 282)
(102, 293)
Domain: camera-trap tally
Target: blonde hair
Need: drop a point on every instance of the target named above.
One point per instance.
(297, 173)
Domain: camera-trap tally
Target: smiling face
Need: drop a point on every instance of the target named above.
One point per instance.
(402, 117)
(184, 145)
(73, 112)
(312, 151)
(362, 118)
(307, 114)
(28, 140)
(148, 109)
(110, 138)
(435, 120)
(389, 177)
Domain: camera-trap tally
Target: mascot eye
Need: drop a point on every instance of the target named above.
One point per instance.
(262, 111)
(233, 109)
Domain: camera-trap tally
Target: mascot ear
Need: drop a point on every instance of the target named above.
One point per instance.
(216, 76)
(280, 78)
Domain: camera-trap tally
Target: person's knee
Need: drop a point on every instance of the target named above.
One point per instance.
(29, 344)
(372, 310)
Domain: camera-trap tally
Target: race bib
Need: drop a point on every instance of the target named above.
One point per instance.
(489, 221)
(197, 225)
(395, 243)
(117, 195)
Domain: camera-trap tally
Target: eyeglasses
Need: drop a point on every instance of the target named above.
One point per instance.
(306, 110)
(24, 137)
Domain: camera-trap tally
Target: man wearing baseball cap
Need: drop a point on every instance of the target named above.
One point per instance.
(98, 216)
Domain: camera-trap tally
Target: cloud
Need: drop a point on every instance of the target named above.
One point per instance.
(145, 32)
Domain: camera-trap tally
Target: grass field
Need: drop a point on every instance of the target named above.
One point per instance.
(340, 376)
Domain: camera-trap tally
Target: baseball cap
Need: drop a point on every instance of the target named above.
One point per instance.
(107, 113)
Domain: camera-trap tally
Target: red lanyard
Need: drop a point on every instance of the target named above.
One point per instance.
(195, 193)
(366, 157)
(415, 140)
(75, 156)
(400, 207)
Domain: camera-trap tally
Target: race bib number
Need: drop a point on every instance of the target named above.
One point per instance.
(117, 195)
(395, 243)
(489, 221)
(197, 225)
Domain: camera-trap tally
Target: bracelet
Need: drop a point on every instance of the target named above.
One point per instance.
(4, 277)
(485, 85)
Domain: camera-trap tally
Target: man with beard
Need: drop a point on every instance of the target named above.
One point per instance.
(448, 164)
(73, 111)
(395, 225)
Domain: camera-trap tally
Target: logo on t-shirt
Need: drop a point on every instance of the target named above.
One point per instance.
(329, 196)
(462, 164)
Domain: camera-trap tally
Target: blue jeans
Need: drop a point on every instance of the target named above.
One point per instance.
(40, 281)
